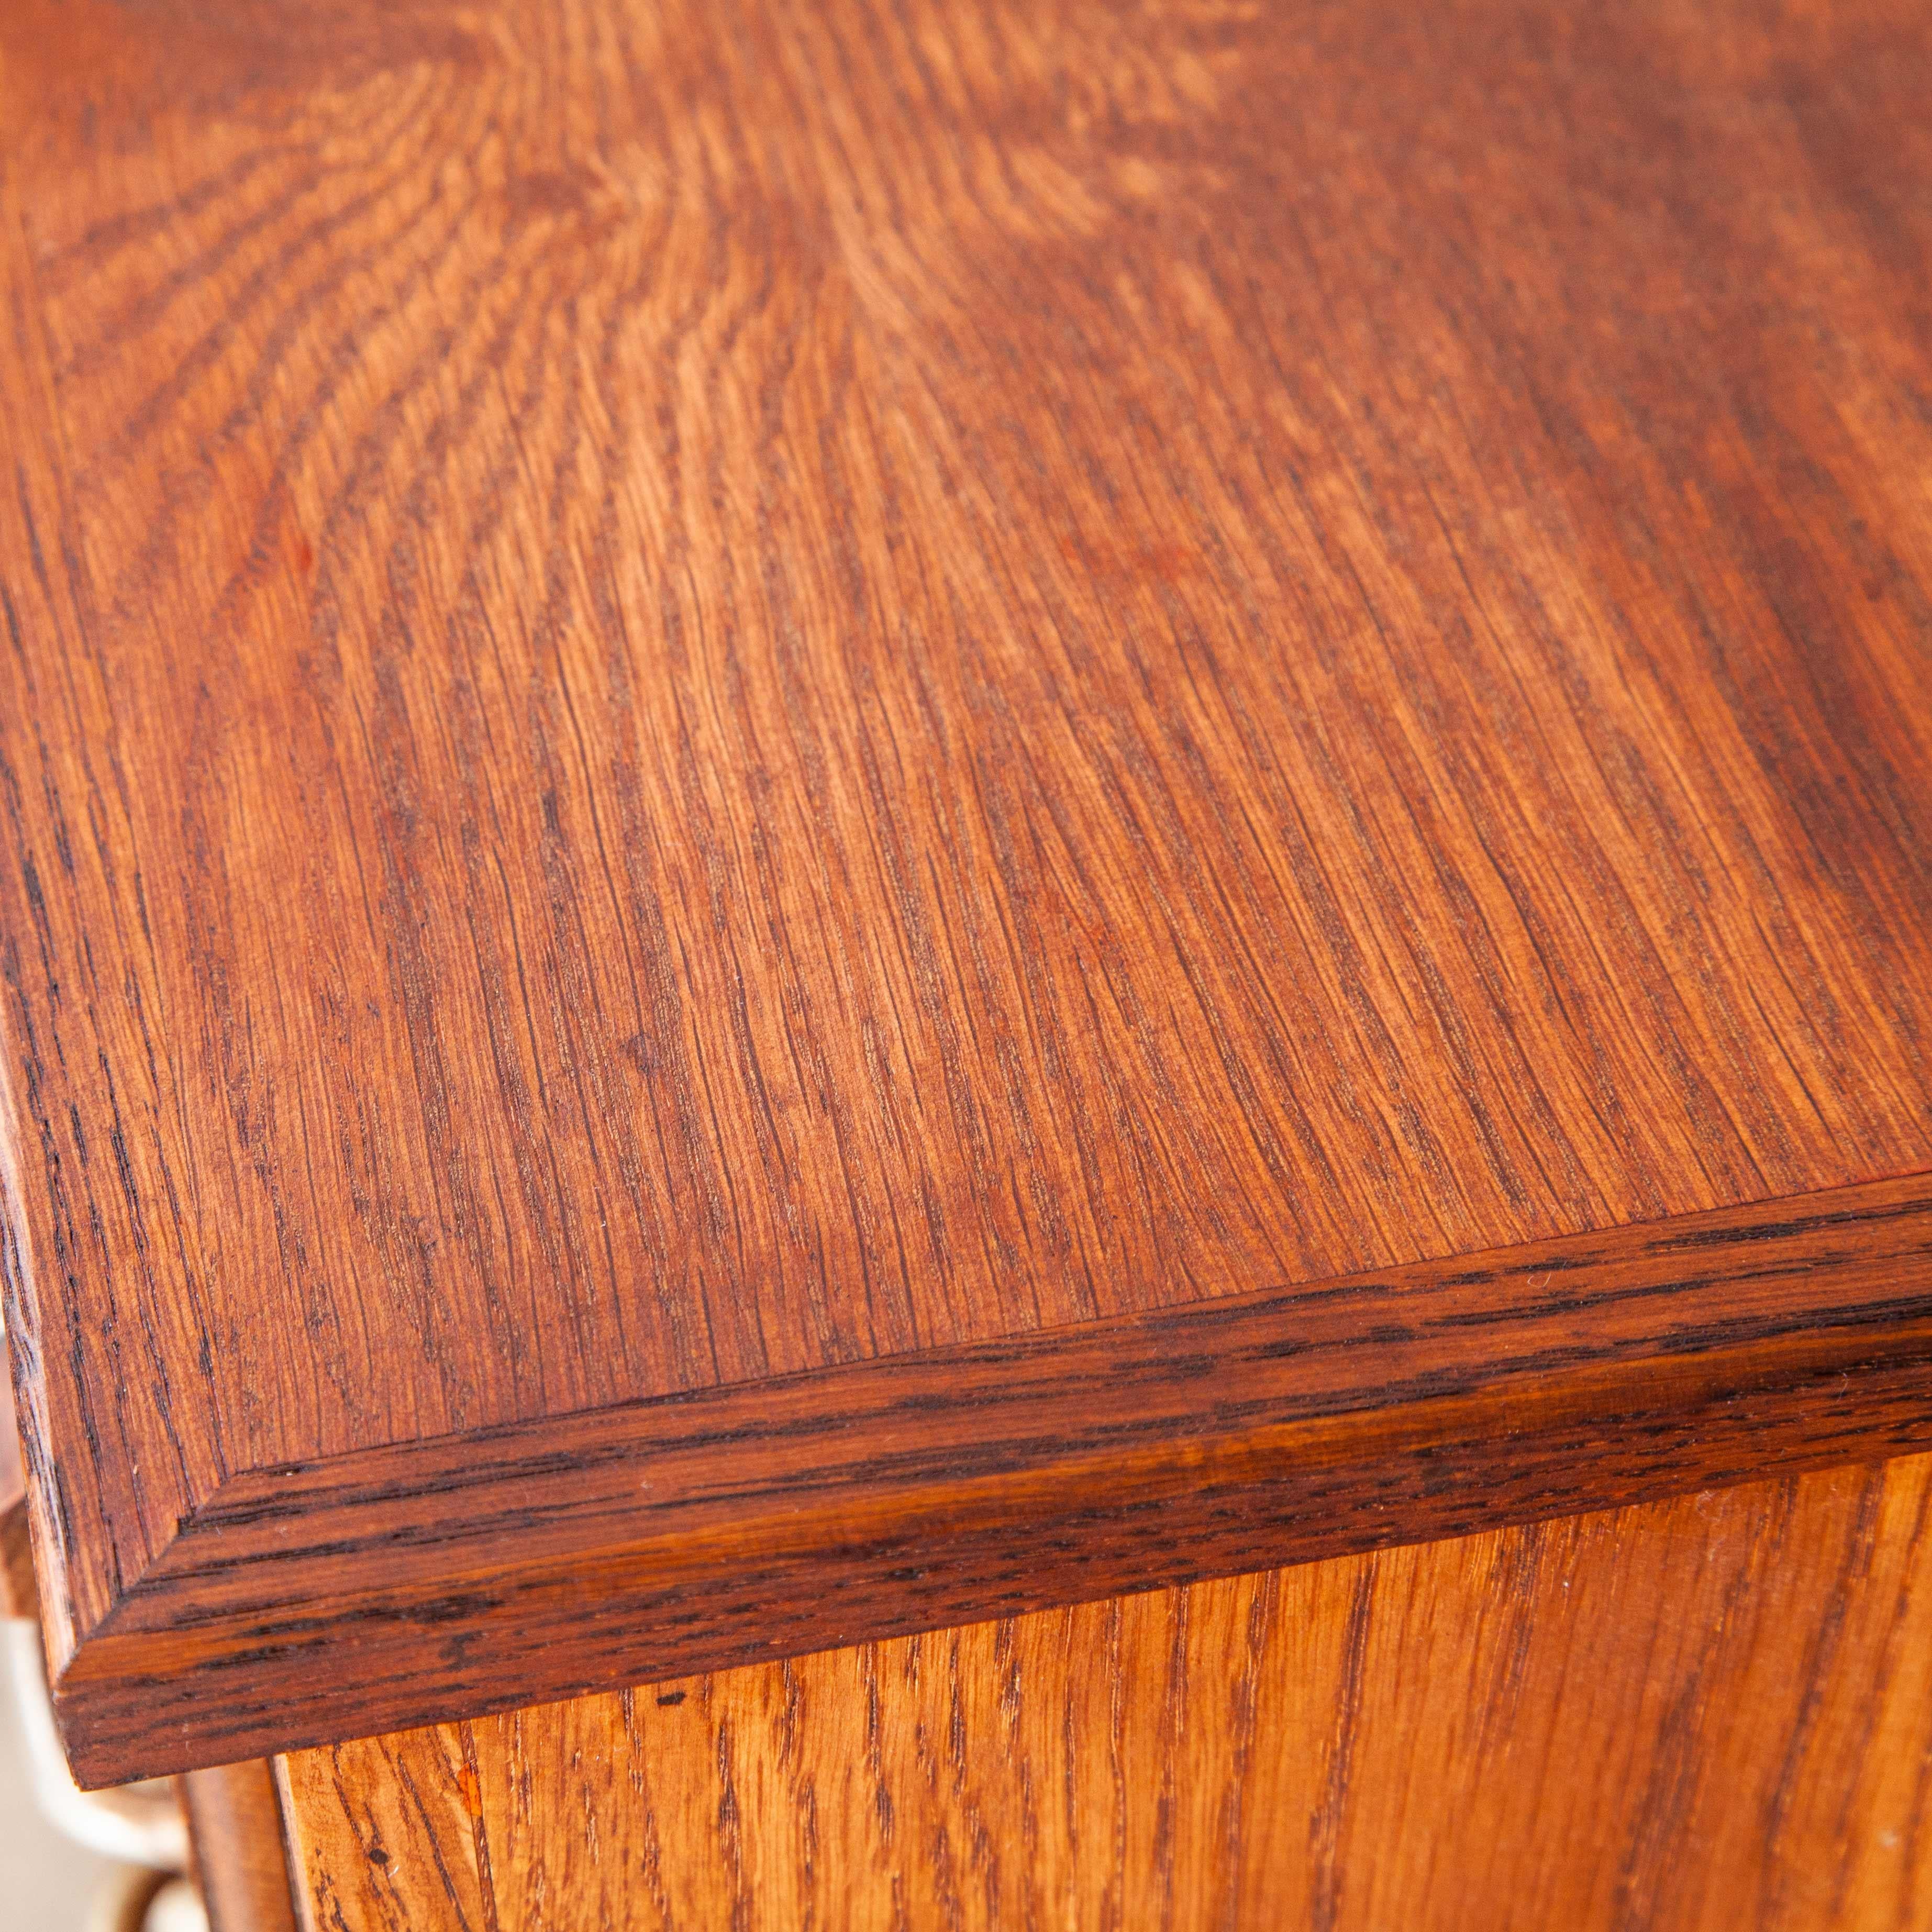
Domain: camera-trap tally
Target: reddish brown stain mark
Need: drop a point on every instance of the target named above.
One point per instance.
(550, 191)
(1163, 563)
(94, 58)
(584, 202)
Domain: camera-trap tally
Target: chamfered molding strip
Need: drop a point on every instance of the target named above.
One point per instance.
(361, 1593)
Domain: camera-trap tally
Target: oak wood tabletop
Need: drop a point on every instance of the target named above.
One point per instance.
(858, 760)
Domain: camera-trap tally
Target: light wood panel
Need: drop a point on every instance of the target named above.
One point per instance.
(1712, 1713)
(697, 690)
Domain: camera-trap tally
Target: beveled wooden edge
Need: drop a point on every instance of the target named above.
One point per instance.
(314, 1602)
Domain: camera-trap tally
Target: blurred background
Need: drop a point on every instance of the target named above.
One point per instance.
(69, 1861)
(46, 1880)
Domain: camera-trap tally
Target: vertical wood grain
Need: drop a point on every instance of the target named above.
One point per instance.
(240, 1862)
(1710, 1715)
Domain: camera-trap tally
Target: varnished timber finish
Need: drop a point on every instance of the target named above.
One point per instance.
(364, 1592)
(1709, 1715)
(697, 693)
(241, 1859)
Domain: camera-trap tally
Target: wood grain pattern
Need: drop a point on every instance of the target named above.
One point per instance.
(361, 1593)
(241, 1861)
(13, 1471)
(1710, 1715)
(695, 694)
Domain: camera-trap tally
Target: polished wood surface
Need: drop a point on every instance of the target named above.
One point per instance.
(694, 694)
(921, 1490)
(1712, 1713)
(241, 1860)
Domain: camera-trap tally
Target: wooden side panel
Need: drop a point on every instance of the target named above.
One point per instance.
(235, 1824)
(1714, 1713)
(18, 1596)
